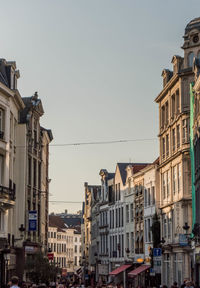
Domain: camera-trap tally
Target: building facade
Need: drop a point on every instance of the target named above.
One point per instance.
(10, 106)
(175, 168)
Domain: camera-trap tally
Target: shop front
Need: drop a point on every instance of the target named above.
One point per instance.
(139, 276)
(119, 275)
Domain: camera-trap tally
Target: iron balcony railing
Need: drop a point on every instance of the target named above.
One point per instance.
(7, 193)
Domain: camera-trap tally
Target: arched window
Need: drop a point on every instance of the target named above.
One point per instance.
(190, 59)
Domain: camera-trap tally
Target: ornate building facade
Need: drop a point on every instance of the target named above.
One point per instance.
(175, 168)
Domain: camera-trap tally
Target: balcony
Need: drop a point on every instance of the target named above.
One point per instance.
(7, 196)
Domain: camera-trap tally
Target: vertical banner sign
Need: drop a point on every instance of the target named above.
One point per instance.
(32, 221)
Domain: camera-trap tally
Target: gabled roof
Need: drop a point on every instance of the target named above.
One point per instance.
(56, 221)
(122, 170)
(135, 166)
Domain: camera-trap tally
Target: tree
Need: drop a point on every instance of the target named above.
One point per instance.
(40, 270)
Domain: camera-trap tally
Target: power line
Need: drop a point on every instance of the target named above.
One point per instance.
(104, 142)
(94, 142)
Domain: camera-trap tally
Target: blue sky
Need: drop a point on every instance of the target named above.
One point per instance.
(97, 68)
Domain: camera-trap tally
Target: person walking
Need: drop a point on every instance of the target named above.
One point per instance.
(14, 282)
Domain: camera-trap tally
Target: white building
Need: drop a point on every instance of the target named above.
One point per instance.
(10, 105)
(151, 203)
(64, 243)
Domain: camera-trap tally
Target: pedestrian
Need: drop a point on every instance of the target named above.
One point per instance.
(175, 285)
(14, 282)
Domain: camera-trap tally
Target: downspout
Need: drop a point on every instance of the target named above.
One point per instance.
(192, 153)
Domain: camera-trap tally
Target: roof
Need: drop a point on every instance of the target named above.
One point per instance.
(139, 166)
(56, 221)
(31, 103)
(135, 166)
(122, 169)
(72, 222)
(193, 24)
(119, 270)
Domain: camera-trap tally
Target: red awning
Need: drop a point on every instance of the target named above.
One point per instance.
(119, 269)
(138, 270)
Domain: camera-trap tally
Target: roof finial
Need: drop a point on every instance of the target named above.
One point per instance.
(35, 96)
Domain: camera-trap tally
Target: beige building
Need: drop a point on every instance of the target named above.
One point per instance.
(10, 105)
(175, 172)
(64, 243)
(32, 182)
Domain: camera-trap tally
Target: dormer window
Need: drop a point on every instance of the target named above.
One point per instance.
(190, 59)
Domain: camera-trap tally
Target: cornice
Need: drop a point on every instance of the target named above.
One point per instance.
(171, 83)
(171, 158)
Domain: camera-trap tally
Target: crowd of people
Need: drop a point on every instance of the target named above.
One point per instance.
(14, 283)
(186, 283)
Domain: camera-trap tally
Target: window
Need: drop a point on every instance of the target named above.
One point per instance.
(174, 179)
(149, 230)
(177, 102)
(2, 221)
(132, 241)
(127, 213)
(185, 133)
(173, 106)
(190, 59)
(119, 191)
(173, 140)
(34, 173)
(1, 123)
(163, 186)
(127, 240)
(153, 195)
(163, 147)
(145, 231)
(164, 226)
(145, 197)
(178, 135)
(167, 113)
(167, 145)
(149, 197)
(29, 171)
(162, 116)
(132, 212)
(179, 177)
(168, 183)
(75, 248)
(122, 220)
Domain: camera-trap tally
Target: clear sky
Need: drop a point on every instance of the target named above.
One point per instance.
(97, 68)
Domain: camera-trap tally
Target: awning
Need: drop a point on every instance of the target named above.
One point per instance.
(138, 270)
(119, 269)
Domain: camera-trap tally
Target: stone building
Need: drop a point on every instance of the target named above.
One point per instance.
(32, 164)
(175, 168)
(88, 251)
(10, 106)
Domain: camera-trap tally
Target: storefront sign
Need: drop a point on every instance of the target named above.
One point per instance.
(157, 266)
(183, 240)
(32, 221)
(50, 256)
(31, 249)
